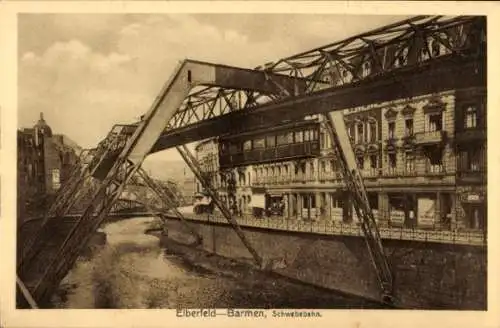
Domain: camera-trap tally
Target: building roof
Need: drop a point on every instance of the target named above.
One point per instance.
(65, 143)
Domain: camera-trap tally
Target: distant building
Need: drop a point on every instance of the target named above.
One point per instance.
(188, 187)
(45, 161)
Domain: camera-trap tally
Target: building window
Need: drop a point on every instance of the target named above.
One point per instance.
(409, 127)
(392, 160)
(259, 143)
(373, 161)
(361, 162)
(270, 141)
(360, 129)
(471, 117)
(247, 145)
(435, 122)
(56, 179)
(234, 148)
(372, 131)
(306, 136)
(333, 165)
(409, 162)
(475, 160)
(392, 128)
(299, 136)
(350, 131)
(471, 160)
(435, 160)
(283, 139)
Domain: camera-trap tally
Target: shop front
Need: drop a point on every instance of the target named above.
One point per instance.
(473, 203)
(402, 210)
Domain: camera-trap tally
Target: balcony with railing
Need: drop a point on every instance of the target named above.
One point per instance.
(391, 172)
(435, 170)
(430, 137)
(371, 173)
(330, 176)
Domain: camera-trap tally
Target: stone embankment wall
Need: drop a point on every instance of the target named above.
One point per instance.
(426, 275)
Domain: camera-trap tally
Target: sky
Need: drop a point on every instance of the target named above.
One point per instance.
(86, 72)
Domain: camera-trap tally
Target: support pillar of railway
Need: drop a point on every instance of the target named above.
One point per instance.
(360, 203)
(193, 164)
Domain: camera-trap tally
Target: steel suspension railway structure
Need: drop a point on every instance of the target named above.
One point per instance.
(421, 55)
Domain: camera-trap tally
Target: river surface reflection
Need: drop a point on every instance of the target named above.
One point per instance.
(133, 271)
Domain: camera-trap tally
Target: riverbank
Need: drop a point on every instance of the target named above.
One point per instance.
(242, 269)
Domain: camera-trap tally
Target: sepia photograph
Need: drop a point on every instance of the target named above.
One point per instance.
(251, 165)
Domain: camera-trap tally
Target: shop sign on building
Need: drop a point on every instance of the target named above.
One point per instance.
(397, 218)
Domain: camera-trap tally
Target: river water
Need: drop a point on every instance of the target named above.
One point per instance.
(133, 271)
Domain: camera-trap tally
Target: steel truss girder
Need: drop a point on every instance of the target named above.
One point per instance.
(109, 191)
(193, 164)
(74, 189)
(444, 74)
(132, 146)
(378, 52)
(354, 184)
(168, 201)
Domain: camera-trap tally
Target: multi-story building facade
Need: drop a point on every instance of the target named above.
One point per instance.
(422, 157)
(45, 161)
(422, 160)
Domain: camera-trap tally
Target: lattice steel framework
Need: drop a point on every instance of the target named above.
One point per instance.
(379, 52)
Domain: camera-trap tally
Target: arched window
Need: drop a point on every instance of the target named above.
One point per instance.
(470, 117)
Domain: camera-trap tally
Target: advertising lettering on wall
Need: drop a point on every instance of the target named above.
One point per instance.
(397, 217)
(426, 211)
